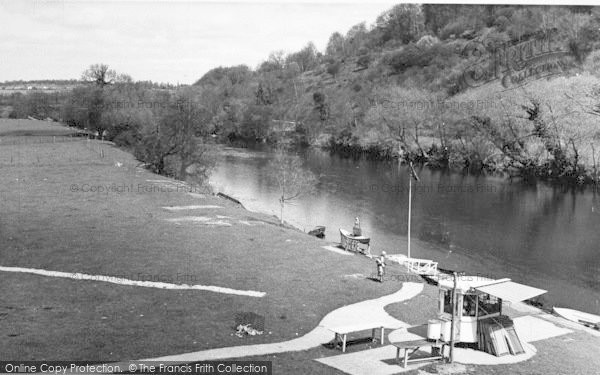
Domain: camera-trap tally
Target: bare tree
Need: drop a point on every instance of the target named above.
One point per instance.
(292, 178)
(101, 75)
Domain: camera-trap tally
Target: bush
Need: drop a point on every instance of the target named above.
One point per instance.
(501, 23)
(36, 104)
(427, 41)
(493, 38)
(454, 28)
(413, 56)
(127, 138)
(334, 68)
(592, 63)
(363, 61)
(329, 60)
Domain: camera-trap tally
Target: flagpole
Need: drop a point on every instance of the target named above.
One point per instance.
(412, 174)
(410, 177)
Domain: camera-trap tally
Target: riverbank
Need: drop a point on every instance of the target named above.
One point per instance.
(536, 235)
(453, 158)
(85, 207)
(81, 206)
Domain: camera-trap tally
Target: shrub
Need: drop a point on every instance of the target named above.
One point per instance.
(592, 63)
(427, 41)
(454, 28)
(334, 68)
(501, 23)
(363, 61)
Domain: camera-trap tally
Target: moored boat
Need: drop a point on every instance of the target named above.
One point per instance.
(319, 231)
(354, 243)
(587, 319)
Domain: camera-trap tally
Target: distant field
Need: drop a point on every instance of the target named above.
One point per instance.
(25, 91)
(33, 128)
(51, 220)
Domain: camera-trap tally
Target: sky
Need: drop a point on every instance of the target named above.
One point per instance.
(163, 41)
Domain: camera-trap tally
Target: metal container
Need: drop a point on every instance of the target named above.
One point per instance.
(434, 329)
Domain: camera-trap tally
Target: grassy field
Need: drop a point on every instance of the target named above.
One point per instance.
(50, 219)
(53, 217)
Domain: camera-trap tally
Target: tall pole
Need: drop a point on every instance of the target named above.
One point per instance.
(453, 323)
(409, 208)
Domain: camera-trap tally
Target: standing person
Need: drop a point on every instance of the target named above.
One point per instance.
(380, 266)
(356, 231)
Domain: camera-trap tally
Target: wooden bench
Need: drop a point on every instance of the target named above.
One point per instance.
(341, 333)
(414, 346)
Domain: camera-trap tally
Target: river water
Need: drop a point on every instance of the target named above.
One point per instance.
(539, 235)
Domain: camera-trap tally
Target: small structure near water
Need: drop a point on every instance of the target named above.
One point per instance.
(475, 304)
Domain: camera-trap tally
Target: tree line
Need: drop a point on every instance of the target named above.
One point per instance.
(401, 87)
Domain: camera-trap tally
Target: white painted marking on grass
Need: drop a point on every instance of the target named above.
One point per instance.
(197, 195)
(199, 220)
(218, 222)
(356, 276)
(192, 207)
(121, 281)
(189, 218)
(336, 249)
(251, 223)
(167, 182)
(223, 217)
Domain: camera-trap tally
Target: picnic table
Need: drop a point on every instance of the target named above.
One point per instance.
(341, 332)
(410, 347)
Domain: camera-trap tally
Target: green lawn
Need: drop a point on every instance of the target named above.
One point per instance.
(45, 224)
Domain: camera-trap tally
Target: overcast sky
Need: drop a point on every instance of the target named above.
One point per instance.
(163, 41)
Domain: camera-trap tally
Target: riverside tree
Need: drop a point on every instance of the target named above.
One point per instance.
(94, 97)
(292, 178)
(177, 145)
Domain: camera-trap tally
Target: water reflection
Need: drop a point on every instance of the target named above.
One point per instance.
(541, 235)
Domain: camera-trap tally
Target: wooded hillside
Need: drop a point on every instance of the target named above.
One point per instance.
(488, 88)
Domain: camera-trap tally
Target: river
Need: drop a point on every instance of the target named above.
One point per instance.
(543, 236)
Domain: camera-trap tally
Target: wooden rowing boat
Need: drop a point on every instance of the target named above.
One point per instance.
(228, 197)
(351, 242)
(319, 231)
(587, 319)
